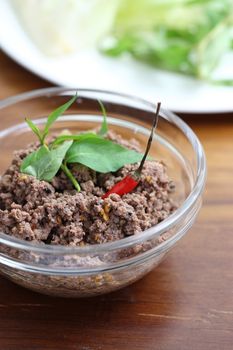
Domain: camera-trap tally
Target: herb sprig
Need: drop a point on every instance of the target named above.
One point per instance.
(44, 163)
(100, 154)
(50, 120)
(89, 149)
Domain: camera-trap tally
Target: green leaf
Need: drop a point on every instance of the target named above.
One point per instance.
(100, 154)
(224, 82)
(44, 163)
(55, 114)
(34, 128)
(104, 127)
(27, 166)
(187, 36)
(79, 137)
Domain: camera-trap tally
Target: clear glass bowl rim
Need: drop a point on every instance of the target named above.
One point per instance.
(145, 235)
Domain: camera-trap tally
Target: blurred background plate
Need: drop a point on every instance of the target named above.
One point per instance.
(90, 69)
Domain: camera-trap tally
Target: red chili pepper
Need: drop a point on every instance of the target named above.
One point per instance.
(130, 182)
(124, 186)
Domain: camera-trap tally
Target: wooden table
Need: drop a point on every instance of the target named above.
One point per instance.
(186, 303)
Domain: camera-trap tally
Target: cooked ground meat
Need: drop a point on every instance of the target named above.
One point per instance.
(54, 213)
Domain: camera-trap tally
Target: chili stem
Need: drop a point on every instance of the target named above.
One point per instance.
(71, 177)
(155, 122)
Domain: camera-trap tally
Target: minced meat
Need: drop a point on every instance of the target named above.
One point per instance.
(54, 213)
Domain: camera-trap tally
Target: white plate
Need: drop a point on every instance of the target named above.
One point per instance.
(90, 69)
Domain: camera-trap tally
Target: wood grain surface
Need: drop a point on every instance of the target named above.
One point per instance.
(186, 303)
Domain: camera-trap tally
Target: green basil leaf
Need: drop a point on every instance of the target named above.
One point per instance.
(79, 137)
(57, 113)
(104, 127)
(34, 128)
(100, 154)
(44, 163)
(28, 164)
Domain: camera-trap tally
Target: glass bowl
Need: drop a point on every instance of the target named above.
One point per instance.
(101, 268)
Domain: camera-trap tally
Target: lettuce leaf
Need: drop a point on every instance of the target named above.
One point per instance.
(187, 36)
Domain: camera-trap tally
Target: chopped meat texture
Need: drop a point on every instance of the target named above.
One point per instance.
(54, 213)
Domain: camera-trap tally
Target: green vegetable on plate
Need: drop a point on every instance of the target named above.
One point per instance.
(187, 36)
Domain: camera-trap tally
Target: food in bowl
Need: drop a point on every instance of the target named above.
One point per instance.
(82, 189)
(81, 270)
